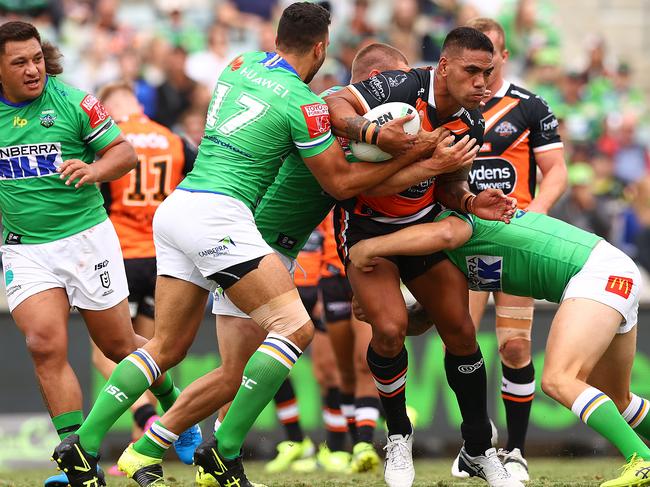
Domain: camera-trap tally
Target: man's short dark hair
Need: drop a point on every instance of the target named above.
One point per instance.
(302, 25)
(466, 38)
(17, 31)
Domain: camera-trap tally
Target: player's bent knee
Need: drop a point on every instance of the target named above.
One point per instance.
(513, 330)
(44, 350)
(552, 384)
(515, 352)
(285, 315)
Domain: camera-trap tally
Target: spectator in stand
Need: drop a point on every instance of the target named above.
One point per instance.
(630, 156)
(206, 65)
(579, 206)
(527, 33)
(130, 65)
(175, 94)
(640, 205)
(176, 29)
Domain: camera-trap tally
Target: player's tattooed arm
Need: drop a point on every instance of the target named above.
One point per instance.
(346, 121)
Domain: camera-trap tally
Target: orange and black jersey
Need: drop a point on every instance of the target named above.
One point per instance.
(518, 125)
(131, 201)
(414, 87)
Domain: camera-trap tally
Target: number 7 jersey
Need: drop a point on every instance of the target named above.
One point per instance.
(261, 110)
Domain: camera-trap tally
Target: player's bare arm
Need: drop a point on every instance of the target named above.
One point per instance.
(343, 180)
(427, 238)
(345, 113)
(490, 204)
(445, 159)
(554, 180)
(115, 160)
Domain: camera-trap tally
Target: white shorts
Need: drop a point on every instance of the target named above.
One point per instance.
(612, 278)
(222, 305)
(199, 234)
(88, 265)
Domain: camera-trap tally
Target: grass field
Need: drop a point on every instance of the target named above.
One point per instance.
(544, 472)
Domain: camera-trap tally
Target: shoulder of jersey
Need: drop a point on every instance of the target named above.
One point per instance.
(64, 91)
(515, 91)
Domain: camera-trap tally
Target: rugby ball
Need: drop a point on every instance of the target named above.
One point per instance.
(381, 115)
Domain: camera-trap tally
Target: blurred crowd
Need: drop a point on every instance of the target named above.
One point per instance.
(173, 51)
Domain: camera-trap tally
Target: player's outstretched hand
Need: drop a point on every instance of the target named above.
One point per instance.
(361, 256)
(393, 139)
(76, 170)
(493, 204)
(450, 157)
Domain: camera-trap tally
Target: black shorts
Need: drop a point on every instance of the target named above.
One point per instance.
(350, 229)
(336, 295)
(309, 297)
(141, 277)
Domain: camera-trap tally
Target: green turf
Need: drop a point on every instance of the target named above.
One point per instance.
(545, 472)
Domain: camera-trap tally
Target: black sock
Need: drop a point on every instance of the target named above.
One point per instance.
(390, 378)
(142, 415)
(287, 410)
(348, 410)
(467, 378)
(367, 414)
(517, 391)
(335, 422)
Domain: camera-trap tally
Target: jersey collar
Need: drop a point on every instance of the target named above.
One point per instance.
(273, 60)
(26, 102)
(505, 86)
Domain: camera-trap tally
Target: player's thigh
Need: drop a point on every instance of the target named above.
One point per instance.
(477, 303)
(378, 293)
(581, 331)
(238, 339)
(43, 319)
(613, 372)
(112, 330)
(443, 292)
(180, 307)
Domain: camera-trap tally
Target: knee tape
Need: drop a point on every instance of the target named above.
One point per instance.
(513, 323)
(282, 315)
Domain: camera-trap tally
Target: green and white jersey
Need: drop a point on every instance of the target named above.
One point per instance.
(293, 205)
(37, 136)
(260, 112)
(533, 256)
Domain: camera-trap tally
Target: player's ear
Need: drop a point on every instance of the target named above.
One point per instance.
(374, 72)
(442, 66)
(505, 54)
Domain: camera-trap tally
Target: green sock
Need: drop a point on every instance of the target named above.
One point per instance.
(263, 375)
(598, 411)
(67, 423)
(129, 380)
(637, 416)
(156, 441)
(167, 392)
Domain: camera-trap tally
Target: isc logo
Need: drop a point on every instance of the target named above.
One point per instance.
(248, 383)
(484, 272)
(115, 392)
